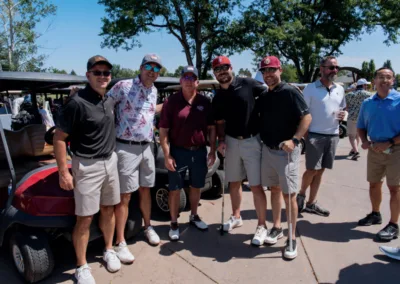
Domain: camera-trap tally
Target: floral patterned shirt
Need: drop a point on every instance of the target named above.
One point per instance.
(354, 101)
(135, 107)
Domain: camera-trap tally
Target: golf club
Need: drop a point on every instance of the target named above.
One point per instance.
(223, 199)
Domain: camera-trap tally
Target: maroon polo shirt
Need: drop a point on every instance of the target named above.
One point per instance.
(187, 123)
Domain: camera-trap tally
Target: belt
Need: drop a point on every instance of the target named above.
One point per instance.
(190, 148)
(321, 134)
(273, 147)
(243, 137)
(132, 142)
(105, 156)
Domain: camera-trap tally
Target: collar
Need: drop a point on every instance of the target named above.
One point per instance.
(277, 87)
(138, 82)
(92, 93)
(392, 96)
(183, 98)
(319, 84)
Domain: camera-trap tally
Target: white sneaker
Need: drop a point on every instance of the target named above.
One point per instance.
(123, 253)
(196, 221)
(174, 232)
(113, 262)
(233, 223)
(259, 236)
(83, 275)
(152, 236)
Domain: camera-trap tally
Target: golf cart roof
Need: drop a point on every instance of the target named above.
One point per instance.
(38, 81)
(203, 85)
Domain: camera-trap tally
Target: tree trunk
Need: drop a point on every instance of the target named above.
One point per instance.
(11, 34)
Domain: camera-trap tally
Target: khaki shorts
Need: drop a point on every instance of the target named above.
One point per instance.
(243, 158)
(352, 127)
(136, 166)
(96, 183)
(381, 165)
(276, 171)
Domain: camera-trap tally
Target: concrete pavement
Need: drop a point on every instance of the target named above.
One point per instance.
(330, 250)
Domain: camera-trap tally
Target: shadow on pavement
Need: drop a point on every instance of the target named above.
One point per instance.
(341, 157)
(332, 232)
(252, 215)
(211, 244)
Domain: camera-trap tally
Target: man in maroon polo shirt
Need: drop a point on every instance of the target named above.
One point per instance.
(186, 120)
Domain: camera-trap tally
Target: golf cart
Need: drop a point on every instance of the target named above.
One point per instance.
(34, 210)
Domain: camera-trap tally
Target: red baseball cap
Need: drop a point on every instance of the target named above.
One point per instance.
(269, 61)
(220, 60)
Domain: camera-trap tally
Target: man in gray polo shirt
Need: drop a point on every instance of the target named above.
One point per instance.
(326, 103)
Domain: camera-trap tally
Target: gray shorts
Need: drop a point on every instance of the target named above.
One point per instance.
(276, 171)
(243, 158)
(95, 183)
(136, 166)
(320, 151)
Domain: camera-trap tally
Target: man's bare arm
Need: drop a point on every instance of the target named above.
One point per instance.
(303, 126)
(220, 129)
(60, 151)
(212, 136)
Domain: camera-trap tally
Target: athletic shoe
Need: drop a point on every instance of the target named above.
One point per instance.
(300, 199)
(371, 219)
(174, 231)
(351, 153)
(355, 156)
(123, 253)
(233, 223)
(290, 254)
(259, 236)
(274, 235)
(390, 232)
(152, 236)
(316, 209)
(84, 275)
(391, 251)
(113, 262)
(196, 221)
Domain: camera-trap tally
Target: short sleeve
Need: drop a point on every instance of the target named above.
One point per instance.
(361, 120)
(307, 95)
(300, 106)
(217, 108)
(165, 117)
(117, 91)
(69, 117)
(258, 88)
(343, 102)
(210, 116)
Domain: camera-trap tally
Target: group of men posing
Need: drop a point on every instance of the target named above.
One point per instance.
(258, 129)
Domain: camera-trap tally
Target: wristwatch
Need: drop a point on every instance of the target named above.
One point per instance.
(296, 141)
(391, 141)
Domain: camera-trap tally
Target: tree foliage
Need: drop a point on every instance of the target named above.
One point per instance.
(202, 27)
(55, 70)
(18, 20)
(244, 72)
(368, 69)
(120, 72)
(289, 73)
(388, 64)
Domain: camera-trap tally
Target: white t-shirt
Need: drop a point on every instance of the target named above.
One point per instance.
(16, 104)
(323, 104)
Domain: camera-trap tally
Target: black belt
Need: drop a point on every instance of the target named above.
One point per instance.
(105, 156)
(321, 134)
(243, 137)
(190, 148)
(132, 142)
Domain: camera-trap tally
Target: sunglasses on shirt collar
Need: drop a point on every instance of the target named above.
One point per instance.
(221, 68)
(148, 67)
(98, 73)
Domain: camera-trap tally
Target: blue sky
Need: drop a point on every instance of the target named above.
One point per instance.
(74, 37)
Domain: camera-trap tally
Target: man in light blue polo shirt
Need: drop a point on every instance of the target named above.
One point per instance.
(379, 119)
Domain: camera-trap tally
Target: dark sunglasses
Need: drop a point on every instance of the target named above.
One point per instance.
(221, 68)
(100, 73)
(332, 67)
(268, 70)
(189, 78)
(148, 67)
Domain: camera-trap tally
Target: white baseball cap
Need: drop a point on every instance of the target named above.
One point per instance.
(363, 81)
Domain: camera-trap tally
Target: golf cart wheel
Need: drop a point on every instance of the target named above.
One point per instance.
(342, 131)
(32, 255)
(216, 188)
(161, 198)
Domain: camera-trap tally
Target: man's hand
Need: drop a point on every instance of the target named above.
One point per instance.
(222, 148)
(288, 146)
(66, 181)
(341, 115)
(73, 91)
(366, 144)
(211, 159)
(170, 163)
(380, 147)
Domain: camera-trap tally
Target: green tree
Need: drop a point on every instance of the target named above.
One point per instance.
(289, 73)
(119, 72)
(178, 72)
(201, 27)
(371, 69)
(72, 72)
(56, 70)
(365, 69)
(388, 64)
(18, 20)
(244, 72)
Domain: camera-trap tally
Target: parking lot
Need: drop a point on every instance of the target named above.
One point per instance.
(330, 250)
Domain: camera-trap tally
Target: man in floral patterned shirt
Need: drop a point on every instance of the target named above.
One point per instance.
(135, 107)
(354, 101)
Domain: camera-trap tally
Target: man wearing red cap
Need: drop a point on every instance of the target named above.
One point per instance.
(238, 135)
(284, 120)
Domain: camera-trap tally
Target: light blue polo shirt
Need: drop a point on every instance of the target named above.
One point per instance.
(381, 117)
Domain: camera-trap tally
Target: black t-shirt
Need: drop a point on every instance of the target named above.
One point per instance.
(280, 111)
(237, 106)
(88, 119)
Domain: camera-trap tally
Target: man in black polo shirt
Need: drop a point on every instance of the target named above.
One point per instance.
(88, 121)
(284, 120)
(237, 118)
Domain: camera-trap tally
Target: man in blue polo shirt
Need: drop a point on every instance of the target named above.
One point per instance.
(380, 120)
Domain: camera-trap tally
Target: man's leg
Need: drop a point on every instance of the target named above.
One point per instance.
(314, 186)
(260, 203)
(375, 195)
(294, 210)
(235, 191)
(80, 238)
(353, 142)
(194, 196)
(107, 225)
(308, 178)
(394, 204)
(145, 205)
(173, 201)
(276, 204)
(121, 216)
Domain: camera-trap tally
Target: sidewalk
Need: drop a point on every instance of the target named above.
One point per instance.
(330, 250)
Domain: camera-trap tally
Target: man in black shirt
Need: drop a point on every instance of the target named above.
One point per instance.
(234, 107)
(284, 120)
(88, 121)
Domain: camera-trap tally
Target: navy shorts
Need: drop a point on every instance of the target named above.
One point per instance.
(193, 160)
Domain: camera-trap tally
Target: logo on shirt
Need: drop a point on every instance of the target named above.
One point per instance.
(200, 108)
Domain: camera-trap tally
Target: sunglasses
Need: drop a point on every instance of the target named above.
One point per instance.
(101, 73)
(332, 67)
(221, 68)
(155, 69)
(268, 70)
(189, 78)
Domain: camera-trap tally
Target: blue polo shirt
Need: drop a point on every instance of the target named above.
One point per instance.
(381, 117)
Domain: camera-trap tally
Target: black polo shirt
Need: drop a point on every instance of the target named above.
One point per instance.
(88, 119)
(237, 106)
(281, 110)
